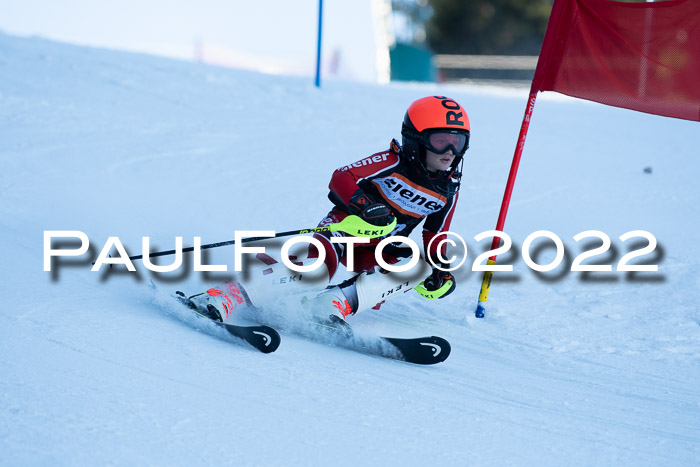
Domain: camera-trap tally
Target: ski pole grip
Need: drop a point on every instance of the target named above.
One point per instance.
(356, 226)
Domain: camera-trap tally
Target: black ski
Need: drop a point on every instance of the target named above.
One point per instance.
(263, 338)
(418, 350)
(422, 350)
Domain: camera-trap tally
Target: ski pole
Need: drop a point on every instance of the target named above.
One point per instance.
(352, 225)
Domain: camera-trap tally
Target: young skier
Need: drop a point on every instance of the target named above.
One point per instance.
(406, 184)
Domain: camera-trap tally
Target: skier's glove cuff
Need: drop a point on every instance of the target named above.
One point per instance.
(364, 206)
(437, 285)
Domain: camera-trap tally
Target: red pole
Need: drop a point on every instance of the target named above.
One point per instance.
(488, 275)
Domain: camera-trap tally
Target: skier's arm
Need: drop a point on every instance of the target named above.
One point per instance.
(345, 180)
(343, 185)
(440, 283)
(437, 223)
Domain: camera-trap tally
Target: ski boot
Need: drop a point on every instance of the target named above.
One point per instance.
(213, 304)
(330, 309)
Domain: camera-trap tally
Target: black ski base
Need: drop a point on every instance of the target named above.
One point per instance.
(263, 338)
(419, 350)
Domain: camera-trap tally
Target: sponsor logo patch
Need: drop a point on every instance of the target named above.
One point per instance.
(408, 198)
(368, 161)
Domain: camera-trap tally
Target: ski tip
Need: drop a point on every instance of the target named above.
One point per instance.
(263, 338)
(435, 350)
(269, 339)
(423, 350)
(445, 348)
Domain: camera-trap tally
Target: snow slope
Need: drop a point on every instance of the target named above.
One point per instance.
(566, 369)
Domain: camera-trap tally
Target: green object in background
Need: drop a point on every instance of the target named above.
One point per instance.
(411, 63)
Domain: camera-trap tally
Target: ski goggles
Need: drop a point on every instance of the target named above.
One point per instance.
(440, 141)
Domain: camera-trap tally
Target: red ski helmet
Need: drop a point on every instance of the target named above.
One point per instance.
(431, 116)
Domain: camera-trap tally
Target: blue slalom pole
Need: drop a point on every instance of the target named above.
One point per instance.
(318, 48)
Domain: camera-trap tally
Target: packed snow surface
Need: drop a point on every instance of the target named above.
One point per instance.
(567, 368)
